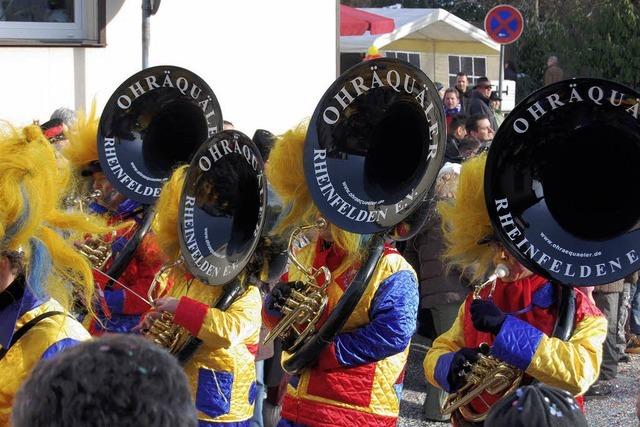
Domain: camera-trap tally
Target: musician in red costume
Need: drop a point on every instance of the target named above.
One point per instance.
(516, 315)
(123, 300)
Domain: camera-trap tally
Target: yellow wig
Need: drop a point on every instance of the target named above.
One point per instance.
(165, 224)
(285, 173)
(32, 218)
(83, 145)
(465, 222)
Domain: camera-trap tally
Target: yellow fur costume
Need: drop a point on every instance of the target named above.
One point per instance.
(465, 222)
(82, 148)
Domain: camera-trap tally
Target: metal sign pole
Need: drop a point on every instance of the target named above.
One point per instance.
(146, 32)
(501, 73)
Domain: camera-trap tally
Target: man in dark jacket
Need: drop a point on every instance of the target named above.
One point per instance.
(479, 102)
(464, 91)
(441, 290)
(456, 131)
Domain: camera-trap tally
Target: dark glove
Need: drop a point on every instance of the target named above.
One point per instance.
(462, 361)
(280, 293)
(486, 316)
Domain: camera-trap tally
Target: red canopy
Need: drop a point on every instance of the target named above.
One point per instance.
(355, 22)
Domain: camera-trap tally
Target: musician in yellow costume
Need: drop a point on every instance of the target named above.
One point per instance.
(516, 318)
(40, 272)
(221, 372)
(358, 377)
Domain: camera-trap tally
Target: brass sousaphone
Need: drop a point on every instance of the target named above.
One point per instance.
(373, 149)
(556, 188)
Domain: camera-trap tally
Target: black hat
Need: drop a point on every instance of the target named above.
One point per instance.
(536, 405)
(494, 96)
(264, 140)
(483, 82)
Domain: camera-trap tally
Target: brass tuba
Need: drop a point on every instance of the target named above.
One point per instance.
(373, 148)
(555, 183)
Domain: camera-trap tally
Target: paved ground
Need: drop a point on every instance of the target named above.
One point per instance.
(615, 410)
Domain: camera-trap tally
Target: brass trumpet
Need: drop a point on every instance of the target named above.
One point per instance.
(80, 202)
(487, 374)
(305, 305)
(163, 331)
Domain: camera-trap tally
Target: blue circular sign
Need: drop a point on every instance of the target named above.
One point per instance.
(504, 24)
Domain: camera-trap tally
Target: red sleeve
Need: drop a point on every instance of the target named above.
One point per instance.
(190, 314)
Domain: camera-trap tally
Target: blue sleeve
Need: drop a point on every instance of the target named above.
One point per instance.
(516, 343)
(115, 300)
(443, 365)
(392, 315)
(58, 346)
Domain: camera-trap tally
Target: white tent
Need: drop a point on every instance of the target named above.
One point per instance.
(423, 24)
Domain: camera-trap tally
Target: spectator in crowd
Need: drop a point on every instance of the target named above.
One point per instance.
(456, 131)
(479, 127)
(451, 101)
(536, 405)
(464, 91)
(624, 306)
(553, 73)
(496, 108)
(607, 299)
(442, 290)
(470, 147)
(440, 88)
(510, 72)
(264, 141)
(115, 380)
(633, 344)
(479, 102)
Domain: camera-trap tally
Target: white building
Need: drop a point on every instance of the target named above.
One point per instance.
(268, 62)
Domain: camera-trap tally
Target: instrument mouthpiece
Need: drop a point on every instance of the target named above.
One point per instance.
(501, 271)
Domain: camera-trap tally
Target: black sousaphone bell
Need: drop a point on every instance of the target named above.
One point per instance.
(153, 122)
(222, 208)
(373, 149)
(557, 182)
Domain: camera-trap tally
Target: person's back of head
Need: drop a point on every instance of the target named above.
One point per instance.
(457, 121)
(469, 147)
(116, 380)
(536, 405)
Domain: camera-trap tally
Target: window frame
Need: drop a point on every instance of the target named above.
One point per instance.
(472, 78)
(87, 30)
(406, 52)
